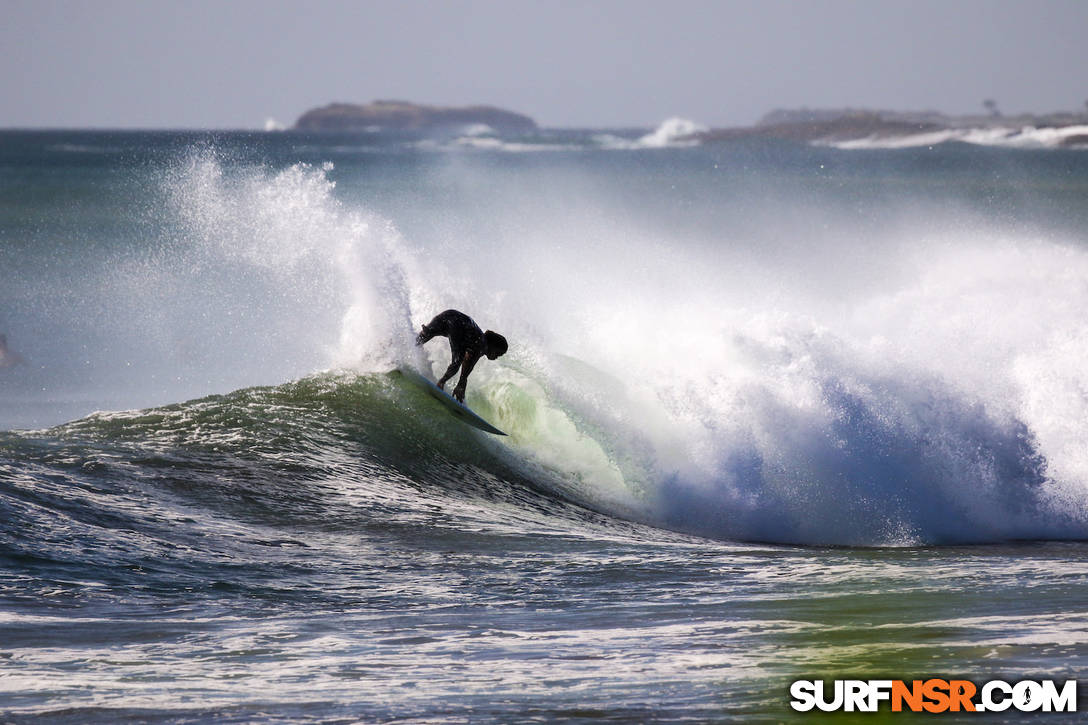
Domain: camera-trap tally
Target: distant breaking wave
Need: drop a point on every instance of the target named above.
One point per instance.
(1027, 137)
(673, 132)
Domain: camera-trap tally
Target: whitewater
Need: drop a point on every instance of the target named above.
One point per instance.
(775, 412)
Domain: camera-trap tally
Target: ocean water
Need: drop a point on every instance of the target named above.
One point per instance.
(776, 412)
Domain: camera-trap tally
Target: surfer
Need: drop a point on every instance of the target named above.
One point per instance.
(467, 345)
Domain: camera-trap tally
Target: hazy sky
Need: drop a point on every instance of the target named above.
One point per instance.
(234, 63)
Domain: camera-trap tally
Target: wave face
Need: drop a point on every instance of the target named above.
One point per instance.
(276, 458)
(724, 343)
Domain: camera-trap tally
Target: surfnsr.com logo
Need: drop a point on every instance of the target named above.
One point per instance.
(934, 695)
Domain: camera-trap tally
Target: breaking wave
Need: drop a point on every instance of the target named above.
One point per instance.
(944, 403)
(1027, 137)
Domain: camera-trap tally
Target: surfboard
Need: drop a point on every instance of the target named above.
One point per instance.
(459, 410)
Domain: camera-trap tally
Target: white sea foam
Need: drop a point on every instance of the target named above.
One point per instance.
(1021, 137)
(489, 143)
(671, 133)
(477, 129)
(886, 403)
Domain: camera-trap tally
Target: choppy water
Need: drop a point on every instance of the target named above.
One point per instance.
(776, 413)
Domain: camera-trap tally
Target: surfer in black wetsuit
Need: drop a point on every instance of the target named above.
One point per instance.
(467, 345)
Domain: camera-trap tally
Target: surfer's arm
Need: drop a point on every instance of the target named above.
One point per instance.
(454, 364)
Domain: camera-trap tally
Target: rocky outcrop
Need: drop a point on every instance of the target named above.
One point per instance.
(405, 117)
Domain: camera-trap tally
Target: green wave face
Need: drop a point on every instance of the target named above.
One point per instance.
(276, 453)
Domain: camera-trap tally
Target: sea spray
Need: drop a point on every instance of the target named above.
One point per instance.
(317, 260)
(752, 383)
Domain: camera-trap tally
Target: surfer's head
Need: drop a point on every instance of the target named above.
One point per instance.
(496, 345)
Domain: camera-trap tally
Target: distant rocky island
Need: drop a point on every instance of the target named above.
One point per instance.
(842, 127)
(413, 118)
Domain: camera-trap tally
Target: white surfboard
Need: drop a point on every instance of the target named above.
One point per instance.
(459, 410)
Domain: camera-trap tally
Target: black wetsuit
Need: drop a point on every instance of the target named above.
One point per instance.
(467, 345)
